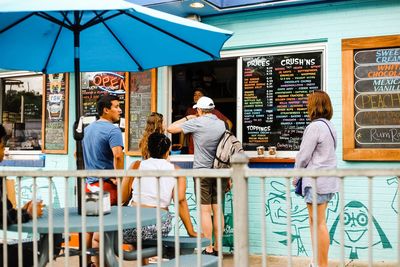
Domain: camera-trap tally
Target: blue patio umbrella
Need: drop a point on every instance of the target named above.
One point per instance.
(107, 35)
(53, 36)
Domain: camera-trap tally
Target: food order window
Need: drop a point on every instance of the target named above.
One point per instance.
(263, 91)
(215, 79)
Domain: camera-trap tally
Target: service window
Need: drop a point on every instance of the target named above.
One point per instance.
(215, 79)
(21, 111)
(263, 92)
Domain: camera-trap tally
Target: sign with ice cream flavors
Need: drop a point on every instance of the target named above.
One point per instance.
(371, 98)
(55, 113)
(377, 98)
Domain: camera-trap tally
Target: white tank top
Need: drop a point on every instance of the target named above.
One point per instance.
(149, 184)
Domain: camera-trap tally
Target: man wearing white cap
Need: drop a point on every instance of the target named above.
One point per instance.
(207, 130)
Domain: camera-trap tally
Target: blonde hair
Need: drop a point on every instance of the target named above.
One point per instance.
(154, 125)
(319, 106)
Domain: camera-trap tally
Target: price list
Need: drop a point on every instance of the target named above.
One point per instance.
(275, 98)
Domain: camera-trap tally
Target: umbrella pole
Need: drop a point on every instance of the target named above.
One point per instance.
(79, 152)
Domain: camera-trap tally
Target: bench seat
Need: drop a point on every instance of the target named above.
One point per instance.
(191, 260)
(149, 247)
(184, 242)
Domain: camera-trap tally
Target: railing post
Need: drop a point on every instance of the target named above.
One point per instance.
(240, 210)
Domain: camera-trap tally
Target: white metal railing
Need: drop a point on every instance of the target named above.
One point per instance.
(240, 174)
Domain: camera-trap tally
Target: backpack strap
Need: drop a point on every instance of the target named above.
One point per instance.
(334, 141)
(219, 142)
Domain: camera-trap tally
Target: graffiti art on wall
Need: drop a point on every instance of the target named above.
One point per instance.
(227, 239)
(276, 213)
(356, 229)
(394, 181)
(42, 191)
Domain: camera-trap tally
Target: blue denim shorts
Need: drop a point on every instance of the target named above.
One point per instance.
(321, 198)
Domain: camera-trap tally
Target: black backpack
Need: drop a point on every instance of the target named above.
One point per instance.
(228, 146)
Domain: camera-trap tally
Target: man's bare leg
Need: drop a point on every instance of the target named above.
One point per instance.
(215, 208)
(207, 225)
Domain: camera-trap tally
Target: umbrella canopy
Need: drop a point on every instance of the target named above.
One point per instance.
(53, 36)
(107, 35)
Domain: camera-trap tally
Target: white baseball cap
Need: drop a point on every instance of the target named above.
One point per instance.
(204, 103)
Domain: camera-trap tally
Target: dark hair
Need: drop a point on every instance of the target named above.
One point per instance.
(158, 144)
(105, 102)
(319, 106)
(3, 134)
(200, 89)
(154, 125)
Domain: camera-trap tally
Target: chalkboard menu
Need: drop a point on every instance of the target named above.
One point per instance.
(142, 101)
(377, 98)
(275, 90)
(55, 113)
(371, 98)
(96, 84)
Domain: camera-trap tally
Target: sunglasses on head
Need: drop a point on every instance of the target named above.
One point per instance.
(156, 114)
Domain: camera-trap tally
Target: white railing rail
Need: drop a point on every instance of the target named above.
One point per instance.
(240, 175)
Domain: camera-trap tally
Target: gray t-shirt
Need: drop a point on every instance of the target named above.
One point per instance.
(207, 131)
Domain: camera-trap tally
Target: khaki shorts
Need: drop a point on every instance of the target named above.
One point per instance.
(208, 189)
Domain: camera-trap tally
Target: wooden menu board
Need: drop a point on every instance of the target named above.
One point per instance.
(55, 113)
(371, 98)
(275, 90)
(96, 84)
(141, 101)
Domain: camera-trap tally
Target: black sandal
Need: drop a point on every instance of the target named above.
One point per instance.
(213, 253)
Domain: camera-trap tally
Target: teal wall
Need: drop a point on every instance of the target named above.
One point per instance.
(332, 22)
(285, 26)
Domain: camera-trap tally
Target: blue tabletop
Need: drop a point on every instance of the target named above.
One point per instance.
(110, 221)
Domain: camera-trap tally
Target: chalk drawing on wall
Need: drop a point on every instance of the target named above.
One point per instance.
(191, 201)
(356, 230)
(276, 213)
(42, 191)
(227, 239)
(394, 181)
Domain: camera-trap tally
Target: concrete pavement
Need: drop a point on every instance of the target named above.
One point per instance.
(255, 261)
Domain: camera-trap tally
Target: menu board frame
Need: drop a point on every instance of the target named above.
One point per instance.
(64, 115)
(273, 55)
(153, 107)
(350, 152)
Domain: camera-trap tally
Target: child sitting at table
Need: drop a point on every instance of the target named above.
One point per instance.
(159, 147)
